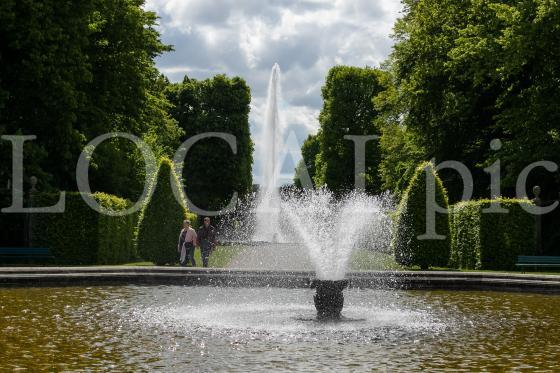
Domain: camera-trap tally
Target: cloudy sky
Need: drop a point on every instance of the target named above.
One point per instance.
(246, 37)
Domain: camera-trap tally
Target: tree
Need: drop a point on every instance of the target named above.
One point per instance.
(401, 154)
(347, 110)
(467, 72)
(212, 172)
(309, 151)
(126, 93)
(400, 150)
(42, 70)
(411, 222)
(515, 46)
(447, 117)
(70, 72)
(161, 218)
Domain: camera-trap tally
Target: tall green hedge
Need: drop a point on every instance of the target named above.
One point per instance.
(11, 225)
(82, 235)
(161, 219)
(411, 222)
(491, 240)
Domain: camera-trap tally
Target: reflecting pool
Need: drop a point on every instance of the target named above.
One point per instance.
(175, 328)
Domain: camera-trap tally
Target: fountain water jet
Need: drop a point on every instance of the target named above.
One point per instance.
(268, 208)
(328, 228)
(331, 228)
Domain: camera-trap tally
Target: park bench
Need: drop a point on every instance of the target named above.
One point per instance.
(538, 261)
(28, 253)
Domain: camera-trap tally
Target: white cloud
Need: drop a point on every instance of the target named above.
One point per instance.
(246, 37)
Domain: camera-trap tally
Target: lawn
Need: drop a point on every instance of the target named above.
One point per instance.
(220, 258)
(361, 260)
(367, 260)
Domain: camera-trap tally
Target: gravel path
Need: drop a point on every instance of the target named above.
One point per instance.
(273, 256)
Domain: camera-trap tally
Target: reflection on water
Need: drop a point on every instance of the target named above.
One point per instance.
(234, 329)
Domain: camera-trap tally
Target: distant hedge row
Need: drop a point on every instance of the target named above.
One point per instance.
(81, 235)
(11, 225)
(473, 239)
(491, 240)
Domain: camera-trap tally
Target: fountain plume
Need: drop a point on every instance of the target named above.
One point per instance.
(268, 208)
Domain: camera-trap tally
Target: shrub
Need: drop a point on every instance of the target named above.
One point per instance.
(410, 222)
(491, 240)
(82, 235)
(11, 224)
(116, 233)
(161, 218)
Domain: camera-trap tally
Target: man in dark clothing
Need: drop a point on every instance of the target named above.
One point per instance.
(207, 240)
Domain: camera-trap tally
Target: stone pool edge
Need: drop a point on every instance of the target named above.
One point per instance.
(388, 280)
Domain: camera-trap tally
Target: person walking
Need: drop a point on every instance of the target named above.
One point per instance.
(206, 240)
(187, 242)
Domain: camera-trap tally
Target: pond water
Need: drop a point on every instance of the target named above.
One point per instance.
(174, 328)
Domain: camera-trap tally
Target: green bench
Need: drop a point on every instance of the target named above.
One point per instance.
(538, 261)
(27, 253)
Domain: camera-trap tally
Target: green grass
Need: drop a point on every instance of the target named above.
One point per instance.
(139, 264)
(526, 270)
(361, 260)
(220, 258)
(367, 260)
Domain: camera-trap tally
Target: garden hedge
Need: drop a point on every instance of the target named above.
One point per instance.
(11, 224)
(491, 240)
(82, 235)
(161, 219)
(410, 222)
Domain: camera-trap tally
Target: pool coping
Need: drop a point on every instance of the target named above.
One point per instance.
(389, 280)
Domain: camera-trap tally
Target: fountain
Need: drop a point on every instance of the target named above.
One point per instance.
(327, 228)
(164, 318)
(329, 299)
(330, 229)
(255, 320)
(267, 211)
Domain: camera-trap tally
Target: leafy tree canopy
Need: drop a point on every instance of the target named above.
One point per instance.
(348, 110)
(72, 71)
(212, 172)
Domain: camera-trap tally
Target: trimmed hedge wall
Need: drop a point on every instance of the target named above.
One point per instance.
(162, 218)
(11, 225)
(491, 240)
(411, 223)
(81, 235)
